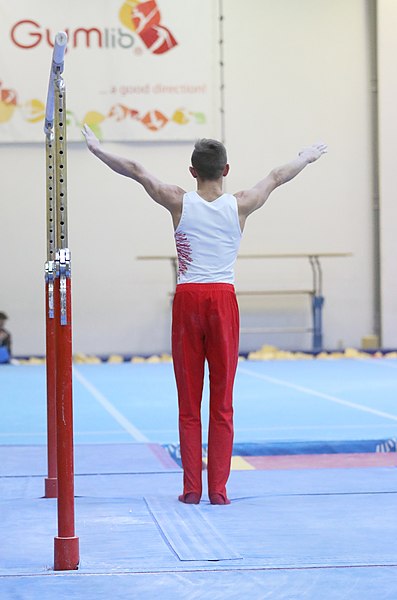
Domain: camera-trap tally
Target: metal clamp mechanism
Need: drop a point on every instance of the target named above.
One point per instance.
(63, 271)
(49, 279)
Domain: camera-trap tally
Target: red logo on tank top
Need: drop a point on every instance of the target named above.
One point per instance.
(184, 252)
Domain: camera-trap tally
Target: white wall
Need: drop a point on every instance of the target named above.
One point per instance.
(387, 26)
(301, 72)
(295, 72)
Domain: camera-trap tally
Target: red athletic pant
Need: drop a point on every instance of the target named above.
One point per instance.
(205, 325)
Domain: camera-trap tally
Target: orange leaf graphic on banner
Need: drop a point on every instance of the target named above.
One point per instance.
(154, 120)
(120, 112)
(8, 102)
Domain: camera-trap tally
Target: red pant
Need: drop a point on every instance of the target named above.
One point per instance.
(205, 325)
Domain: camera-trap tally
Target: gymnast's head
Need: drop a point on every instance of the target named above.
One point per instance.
(209, 160)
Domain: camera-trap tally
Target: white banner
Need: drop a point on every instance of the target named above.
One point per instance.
(134, 70)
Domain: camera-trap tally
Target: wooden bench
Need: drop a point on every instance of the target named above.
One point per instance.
(315, 293)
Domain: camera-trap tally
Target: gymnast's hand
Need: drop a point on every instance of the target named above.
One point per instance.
(92, 141)
(313, 153)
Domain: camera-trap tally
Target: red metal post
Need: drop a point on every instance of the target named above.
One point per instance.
(50, 482)
(66, 544)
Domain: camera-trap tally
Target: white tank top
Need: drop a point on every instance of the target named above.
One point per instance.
(207, 239)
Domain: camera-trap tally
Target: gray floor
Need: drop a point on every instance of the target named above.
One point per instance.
(287, 534)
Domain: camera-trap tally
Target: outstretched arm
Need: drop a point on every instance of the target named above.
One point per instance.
(250, 200)
(169, 196)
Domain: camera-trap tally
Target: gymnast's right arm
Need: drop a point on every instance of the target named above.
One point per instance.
(169, 196)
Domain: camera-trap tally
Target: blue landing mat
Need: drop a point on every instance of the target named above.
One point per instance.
(318, 447)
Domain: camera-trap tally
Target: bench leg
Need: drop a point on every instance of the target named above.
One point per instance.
(317, 307)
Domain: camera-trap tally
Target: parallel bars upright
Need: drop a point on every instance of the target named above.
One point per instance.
(60, 480)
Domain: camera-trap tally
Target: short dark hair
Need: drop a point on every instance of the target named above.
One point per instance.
(209, 159)
(3, 316)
